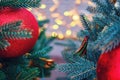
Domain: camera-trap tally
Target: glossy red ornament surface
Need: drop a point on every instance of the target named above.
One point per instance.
(108, 66)
(19, 47)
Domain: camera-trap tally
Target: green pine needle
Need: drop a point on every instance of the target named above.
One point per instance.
(41, 23)
(20, 3)
(40, 53)
(12, 31)
(28, 74)
(4, 44)
(11, 26)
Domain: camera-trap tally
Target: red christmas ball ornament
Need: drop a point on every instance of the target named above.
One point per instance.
(108, 66)
(19, 47)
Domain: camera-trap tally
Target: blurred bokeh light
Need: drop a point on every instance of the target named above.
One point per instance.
(63, 15)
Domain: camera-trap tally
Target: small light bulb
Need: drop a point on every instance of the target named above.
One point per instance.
(61, 36)
(54, 34)
(72, 24)
(67, 13)
(75, 17)
(68, 32)
(78, 1)
(55, 26)
(59, 22)
(42, 6)
(40, 18)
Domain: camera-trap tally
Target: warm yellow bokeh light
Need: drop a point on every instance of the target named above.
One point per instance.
(55, 26)
(41, 17)
(54, 34)
(78, 1)
(73, 24)
(67, 13)
(75, 17)
(63, 22)
(68, 32)
(60, 36)
(54, 15)
(91, 3)
(53, 8)
(42, 6)
(58, 21)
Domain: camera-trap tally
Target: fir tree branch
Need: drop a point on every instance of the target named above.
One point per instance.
(109, 42)
(20, 3)
(86, 23)
(40, 53)
(41, 41)
(79, 69)
(2, 75)
(106, 34)
(28, 74)
(41, 23)
(21, 34)
(4, 44)
(83, 74)
(11, 26)
(12, 31)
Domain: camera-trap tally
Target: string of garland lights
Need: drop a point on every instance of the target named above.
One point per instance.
(63, 15)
